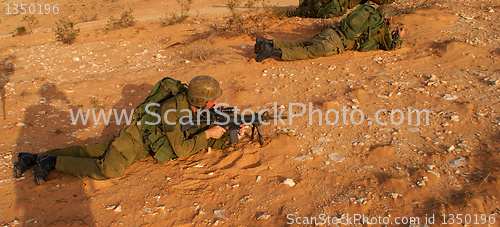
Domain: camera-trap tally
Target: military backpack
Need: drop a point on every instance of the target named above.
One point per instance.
(361, 23)
(155, 140)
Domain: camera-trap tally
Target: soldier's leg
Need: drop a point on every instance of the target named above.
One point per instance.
(279, 43)
(91, 151)
(116, 156)
(325, 44)
(324, 35)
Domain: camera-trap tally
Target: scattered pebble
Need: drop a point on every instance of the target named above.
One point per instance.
(289, 182)
(451, 148)
(450, 97)
(263, 216)
(219, 213)
(333, 157)
(457, 162)
(435, 173)
(395, 195)
(324, 139)
(303, 158)
(316, 150)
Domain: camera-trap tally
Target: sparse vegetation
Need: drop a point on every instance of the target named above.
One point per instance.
(66, 31)
(200, 53)
(32, 21)
(21, 30)
(96, 103)
(126, 20)
(252, 20)
(174, 18)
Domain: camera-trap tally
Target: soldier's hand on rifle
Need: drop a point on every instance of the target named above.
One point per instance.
(215, 132)
(241, 132)
(401, 32)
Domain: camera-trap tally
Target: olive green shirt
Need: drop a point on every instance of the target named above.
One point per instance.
(190, 141)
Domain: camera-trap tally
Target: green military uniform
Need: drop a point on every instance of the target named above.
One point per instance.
(333, 41)
(110, 159)
(329, 8)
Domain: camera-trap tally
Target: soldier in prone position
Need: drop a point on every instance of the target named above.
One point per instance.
(329, 8)
(133, 143)
(364, 29)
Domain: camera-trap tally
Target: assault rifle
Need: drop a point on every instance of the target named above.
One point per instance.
(227, 117)
(395, 36)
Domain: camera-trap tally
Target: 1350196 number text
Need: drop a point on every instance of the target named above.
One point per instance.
(32, 9)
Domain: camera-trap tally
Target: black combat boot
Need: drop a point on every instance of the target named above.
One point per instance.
(292, 13)
(46, 164)
(267, 52)
(260, 42)
(24, 162)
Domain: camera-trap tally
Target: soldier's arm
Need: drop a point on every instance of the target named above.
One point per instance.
(385, 40)
(183, 143)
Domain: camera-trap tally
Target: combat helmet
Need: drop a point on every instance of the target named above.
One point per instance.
(386, 11)
(202, 89)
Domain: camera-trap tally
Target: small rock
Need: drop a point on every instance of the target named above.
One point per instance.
(219, 213)
(450, 97)
(455, 118)
(118, 209)
(431, 166)
(451, 148)
(316, 150)
(414, 130)
(395, 195)
(110, 207)
(20, 124)
(289, 182)
(324, 139)
(333, 157)
(457, 162)
(303, 158)
(76, 59)
(421, 183)
(258, 178)
(263, 216)
(435, 173)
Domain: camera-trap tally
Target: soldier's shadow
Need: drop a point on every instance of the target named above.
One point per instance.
(6, 72)
(132, 96)
(57, 203)
(64, 199)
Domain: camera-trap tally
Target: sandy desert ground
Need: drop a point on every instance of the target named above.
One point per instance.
(448, 65)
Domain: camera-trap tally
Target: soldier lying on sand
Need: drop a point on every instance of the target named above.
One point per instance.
(364, 29)
(137, 141)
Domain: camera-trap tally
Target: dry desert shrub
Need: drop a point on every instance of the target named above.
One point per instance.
(21, 30)
(66, 31)
(126, 20)
(200, 53)
(174, 18)
(250, 19)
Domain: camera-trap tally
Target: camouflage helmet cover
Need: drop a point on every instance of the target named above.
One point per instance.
(202, 89)
(386, 11)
